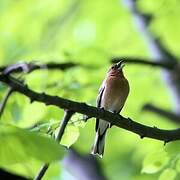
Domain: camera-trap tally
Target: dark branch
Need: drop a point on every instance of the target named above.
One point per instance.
(5, 99)
(168, 56)
(90, 111)
(67, 116)
(41, 172)
(29, 67)
(140, 61)
(164, 113)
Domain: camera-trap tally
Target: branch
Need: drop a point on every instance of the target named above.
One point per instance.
(5, 99)
(90, 111)
(164, 113)
(29, 67)
(156, 48)
(140, 61)
(157, 51)
(67, 116)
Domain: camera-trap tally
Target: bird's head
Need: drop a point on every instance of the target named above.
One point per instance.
(116, 69)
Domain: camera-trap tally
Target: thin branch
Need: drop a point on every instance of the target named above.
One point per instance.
(164, 113)
(90, 111)
(140, 61)
(5, 99)
(156, 48)
(41, 172)
(67, 116)
(29, 67)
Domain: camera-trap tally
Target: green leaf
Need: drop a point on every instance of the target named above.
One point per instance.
(26, 169)
(178, 165)
(173, 148)
(16, 145)
(16, 111)
(51, 125)
(168, 174)
(154, 162)
(78, 121)
(38, 111)
(70, 135)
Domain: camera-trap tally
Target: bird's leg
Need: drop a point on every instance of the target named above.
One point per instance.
(110, 124)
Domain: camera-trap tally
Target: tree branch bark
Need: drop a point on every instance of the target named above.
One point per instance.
(5, 99)
(140, 61)
(67, 116)
(164, 113)
(29, 67)
(90, 111)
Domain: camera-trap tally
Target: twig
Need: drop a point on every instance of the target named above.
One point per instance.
(156, 48)
(140, 61)
(5, 99)
(164, 113)
(67, 116)
(90, 111)
(29, 67)
(41, 172)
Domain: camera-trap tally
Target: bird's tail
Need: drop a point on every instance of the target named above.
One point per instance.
(99, 144)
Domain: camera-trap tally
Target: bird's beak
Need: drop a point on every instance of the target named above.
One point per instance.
(120, 65)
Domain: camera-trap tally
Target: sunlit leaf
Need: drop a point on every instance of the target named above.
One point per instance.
(16, 112)
(154, 162)
(16, 145)
(173, 148)
(77, 120)
(49, 126)
(178, 165)
(70, 135)
(168, 174)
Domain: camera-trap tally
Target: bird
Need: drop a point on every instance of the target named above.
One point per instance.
(112, 96)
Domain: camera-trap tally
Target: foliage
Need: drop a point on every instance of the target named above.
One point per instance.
(88, 32)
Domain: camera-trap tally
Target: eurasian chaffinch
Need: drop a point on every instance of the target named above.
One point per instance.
(112, 96)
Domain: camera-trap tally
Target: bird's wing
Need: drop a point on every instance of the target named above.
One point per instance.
(98, 101)
(99, 97)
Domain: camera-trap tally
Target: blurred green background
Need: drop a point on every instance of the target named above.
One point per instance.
(90, 33)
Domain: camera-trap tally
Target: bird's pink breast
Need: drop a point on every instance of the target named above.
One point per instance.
(115, 93)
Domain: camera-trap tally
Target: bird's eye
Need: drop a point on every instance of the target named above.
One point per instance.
(113, 67)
